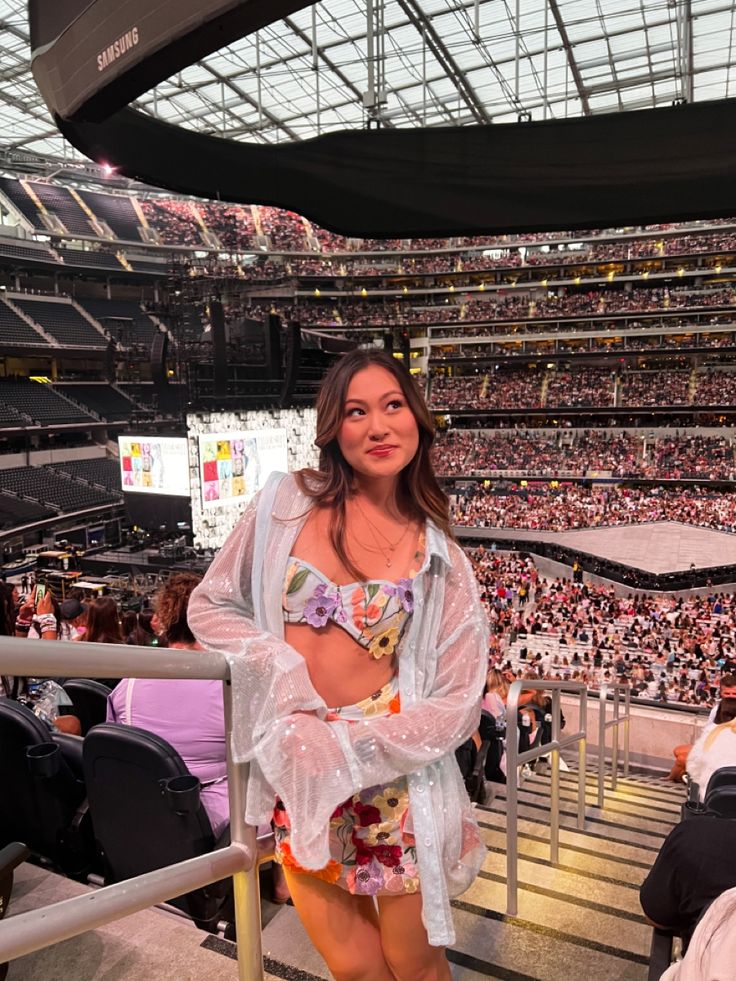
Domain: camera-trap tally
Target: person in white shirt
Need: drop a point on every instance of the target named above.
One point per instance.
(715, 747)
(681, 752)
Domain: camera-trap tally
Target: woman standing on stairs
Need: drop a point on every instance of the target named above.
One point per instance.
(358, 649)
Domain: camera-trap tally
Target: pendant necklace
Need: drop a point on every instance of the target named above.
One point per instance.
(390, 547)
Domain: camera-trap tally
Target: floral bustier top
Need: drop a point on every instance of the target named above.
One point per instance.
(374, 613)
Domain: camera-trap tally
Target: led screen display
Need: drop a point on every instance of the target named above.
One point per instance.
(233, 466)
(154, 465)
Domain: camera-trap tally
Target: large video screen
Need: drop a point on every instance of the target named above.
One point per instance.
(154, 465)
(233, 466)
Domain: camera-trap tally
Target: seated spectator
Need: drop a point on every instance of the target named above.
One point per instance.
(73, 619)
(138, 629)
(45, 698)
(187, 713)
(39, 618)
(690, 871)
(103, 627)
(715, 748)
(682, 752)
(712, 951)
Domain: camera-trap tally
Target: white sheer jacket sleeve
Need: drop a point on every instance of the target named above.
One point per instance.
(221, 617)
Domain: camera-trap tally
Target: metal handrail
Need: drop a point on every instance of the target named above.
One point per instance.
(40, 928)
(616, 688)
(515, 759)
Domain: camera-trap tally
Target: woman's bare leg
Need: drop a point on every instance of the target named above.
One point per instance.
(404, 941)
(344, 928)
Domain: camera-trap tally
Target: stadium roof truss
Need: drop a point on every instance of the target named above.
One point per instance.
(345, 64)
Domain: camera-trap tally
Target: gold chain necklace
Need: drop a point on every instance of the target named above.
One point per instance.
(390, 547)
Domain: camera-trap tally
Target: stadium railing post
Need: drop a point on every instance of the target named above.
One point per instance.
(515, 760)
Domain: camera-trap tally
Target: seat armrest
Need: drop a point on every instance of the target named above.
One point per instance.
(660, 953)
(12, 856)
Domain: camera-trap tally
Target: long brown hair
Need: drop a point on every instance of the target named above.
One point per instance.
(103, 625)
(332, 484)
(171, 603)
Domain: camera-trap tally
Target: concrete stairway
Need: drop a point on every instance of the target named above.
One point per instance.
(580, 919)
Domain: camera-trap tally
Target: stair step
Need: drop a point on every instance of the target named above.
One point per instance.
(648, 832)
(519, 944)
(593, 814)
(585, 920)
(488, 945)
(628, 845)
(640, 794)
(614, 804)
(560, 885)
(589, 864)
(660, 784)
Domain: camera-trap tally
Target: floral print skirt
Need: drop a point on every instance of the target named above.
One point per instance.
(372, 845)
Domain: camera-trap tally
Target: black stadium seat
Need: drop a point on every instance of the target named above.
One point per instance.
(147, 814)
(41, 793)
(10, 858)
(720, 795)
(89, 700)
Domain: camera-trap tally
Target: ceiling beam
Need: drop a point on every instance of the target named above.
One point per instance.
(437, 46)
(325, 58)
(565, 38)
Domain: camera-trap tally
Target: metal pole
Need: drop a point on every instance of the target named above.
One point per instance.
(545, 69)
(512, 797)
(614, 740)
(259, 92)
(245, 883)
(602, 745)
(554, 823)
(370, 55)
(627, 723)
(517, 57)
(582, 765)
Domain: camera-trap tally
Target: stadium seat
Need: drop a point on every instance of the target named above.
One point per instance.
(42, 793)
(720, 795)
(10, 858)
(147, 814)
(89, 699)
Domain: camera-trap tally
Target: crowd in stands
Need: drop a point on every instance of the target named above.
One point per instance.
(173, 219)
(715, 387)
(390, 313)
(584, 452)
(232, 224)
(583, 387)
(513, 389)
(655, 388)
(285, 229)
(566, 507)
(667, 649)
(566, 345)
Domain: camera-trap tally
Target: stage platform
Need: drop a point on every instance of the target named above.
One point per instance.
(659, 547)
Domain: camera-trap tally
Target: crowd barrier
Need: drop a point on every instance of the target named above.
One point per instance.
(40, 928)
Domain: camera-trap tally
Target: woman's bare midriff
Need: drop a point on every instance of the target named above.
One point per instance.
(342, 671)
